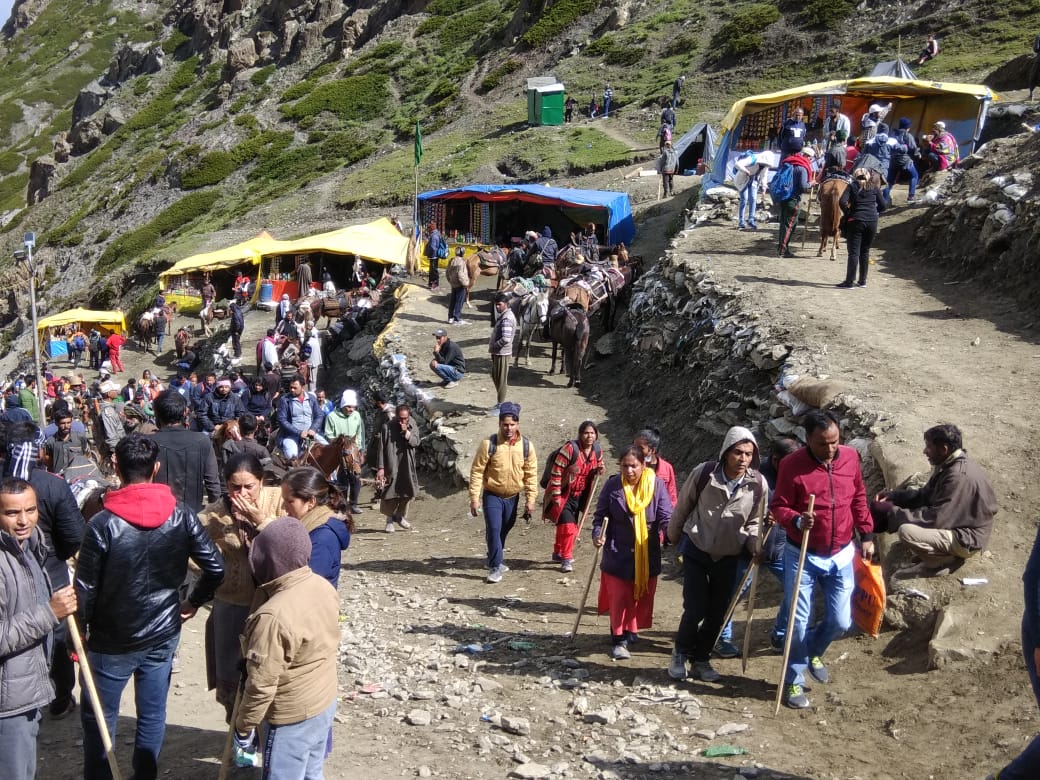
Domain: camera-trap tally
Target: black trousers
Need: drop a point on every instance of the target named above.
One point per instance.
(707, 588)
(859, 236)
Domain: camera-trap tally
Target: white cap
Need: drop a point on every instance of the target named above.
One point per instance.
(875, 109)
(349, 398)
(109, 387)
(809, 152)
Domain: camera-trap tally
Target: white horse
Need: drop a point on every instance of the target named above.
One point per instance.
(531, 312)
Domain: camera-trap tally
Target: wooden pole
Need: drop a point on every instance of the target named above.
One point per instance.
(759, 541)
(588, 583)
(92, 694)
(735, 600)
(588, 504)
(794, 605)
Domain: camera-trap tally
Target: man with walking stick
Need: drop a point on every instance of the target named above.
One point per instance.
(29, 612)
(822, 537)
(133, 560)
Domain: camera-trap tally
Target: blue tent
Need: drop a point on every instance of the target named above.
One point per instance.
(487, 212)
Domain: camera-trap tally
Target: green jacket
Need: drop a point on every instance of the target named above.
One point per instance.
(27, 399)
(339, 424)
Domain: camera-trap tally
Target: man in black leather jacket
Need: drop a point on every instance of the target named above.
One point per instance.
(187, 462)
(134, 557)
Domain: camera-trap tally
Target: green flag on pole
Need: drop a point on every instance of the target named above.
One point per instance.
(418, 144)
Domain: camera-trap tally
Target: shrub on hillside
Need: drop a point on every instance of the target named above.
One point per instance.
(89, 166)
(828, 14)
(462, 31)
(742, 34)
(9, 162)
(359, 98)
(494, 78)
(261, 76)
(681, 45)
(555, 20)
(449, 7)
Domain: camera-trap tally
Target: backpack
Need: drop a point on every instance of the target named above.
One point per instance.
(95, 341)
(493, 445)
(458, 272)
(757, 491)
(547, 471)
(442, 251)
(79, 343)
(781, 188)
(901, 148)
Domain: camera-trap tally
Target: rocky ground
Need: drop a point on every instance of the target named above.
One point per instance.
(445, 675)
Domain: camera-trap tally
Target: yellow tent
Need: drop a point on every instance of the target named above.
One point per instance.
(110, 320)
(751, 120)
(379, 241)
(247, 252)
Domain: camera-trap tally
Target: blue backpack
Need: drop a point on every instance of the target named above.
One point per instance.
(781, 188)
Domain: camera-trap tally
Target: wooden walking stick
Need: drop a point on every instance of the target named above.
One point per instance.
(92, 694)
(808, 213)
(229, 743)
(735, 600)
(585, 512)
(759, 542)
(588, 583)
(794, 605)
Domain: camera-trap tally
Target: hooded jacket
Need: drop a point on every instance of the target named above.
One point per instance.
(719, 522)
(26, 622)
(329, 538)
(133, 560)
(841, 499)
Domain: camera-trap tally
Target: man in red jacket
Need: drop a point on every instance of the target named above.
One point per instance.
(831, 472)
(115, 343)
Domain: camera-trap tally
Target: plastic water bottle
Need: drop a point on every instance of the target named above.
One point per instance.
(246, 758)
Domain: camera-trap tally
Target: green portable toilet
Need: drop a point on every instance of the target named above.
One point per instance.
(544, 101)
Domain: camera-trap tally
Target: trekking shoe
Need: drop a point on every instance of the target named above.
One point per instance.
(789, 253)
(705, 672)
(62, 706)
(752, 226)
(741, 226)
(390, 526)
(844, 285)
(818, 670)
(861, 284)
(677, 666)
(726, 649)
(449, 385)
(795, 698)
(355, 509)
(403, 522)
(495, 575)
(557, 558)
(911, 200)
(776, 643)
(620, 652)
(461, 322)
(567, 566)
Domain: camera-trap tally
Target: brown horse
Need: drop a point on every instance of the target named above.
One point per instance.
(485, 262)
(830, 214)
(340, 453)
(145, 330)
(180, 341)
(331, 307)
(569, 328)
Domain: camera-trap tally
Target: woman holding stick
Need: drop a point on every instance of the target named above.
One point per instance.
(637, 507)
(569, 489)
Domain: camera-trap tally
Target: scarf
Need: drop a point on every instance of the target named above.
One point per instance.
(637, 499)
(316, 517)
(23, 456)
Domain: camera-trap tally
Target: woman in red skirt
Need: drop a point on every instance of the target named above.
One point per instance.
(635, 507)
(569, 489)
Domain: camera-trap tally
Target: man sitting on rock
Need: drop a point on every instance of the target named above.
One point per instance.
(950, 518)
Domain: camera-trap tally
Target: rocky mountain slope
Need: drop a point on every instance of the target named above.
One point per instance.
(131, 132)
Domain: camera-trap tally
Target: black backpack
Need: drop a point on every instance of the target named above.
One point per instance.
(547, 471)
(493, 445)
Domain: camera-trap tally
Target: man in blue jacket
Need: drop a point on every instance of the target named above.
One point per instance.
(435, 247)
(299, 418)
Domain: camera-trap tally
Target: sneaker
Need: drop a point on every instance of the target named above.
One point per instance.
(818, 670)
(567, 566)
(557, 558)
(789, 253)
(620, 652)
(495, 575)
(451, 320)
(741, 226)
(461, 322)
(677, 666)
(493, 411)
(861, 284)
(390, 526)
(911, 200)
(752, 226)
(403, 522)
(844, 285)
(62, 706)
(726, 649)
(355, 509)
(776, 643)
(705, 672)
(631, 637)
(449, 385)
(795, 698)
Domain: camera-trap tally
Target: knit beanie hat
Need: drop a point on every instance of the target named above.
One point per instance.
(283, 546)
(904, 123)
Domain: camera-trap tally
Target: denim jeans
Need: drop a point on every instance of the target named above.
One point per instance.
(297, 751)
(893, 177)
(748, 200)
(18, 744)
(291, 444)
(150, 669)
(1027, 764)
(780, 624)
(833, 576)
(458, 297)
(448, 373)
(499, 519)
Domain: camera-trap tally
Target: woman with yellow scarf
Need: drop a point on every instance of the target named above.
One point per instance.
(635, 508)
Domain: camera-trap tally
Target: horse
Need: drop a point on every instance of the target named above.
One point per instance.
(145, 330)
(340, 453)
(531, 312)
(180, 341)
(485, 262)
(331, 307)
(569, 260)
(830, 214)
(569, 328)
(226, 431)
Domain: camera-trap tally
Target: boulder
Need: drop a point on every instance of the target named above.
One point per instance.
(353, 30)
(85, 136)
(62, 148)
(40, 174)
(956, 638)
(88, 101)
(114, 119)
(132, 60)
(241, 54)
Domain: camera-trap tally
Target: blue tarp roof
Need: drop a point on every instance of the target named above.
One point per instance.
(620, 226)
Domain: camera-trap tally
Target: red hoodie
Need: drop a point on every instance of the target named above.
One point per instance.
(143, 505)
(797, 159)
